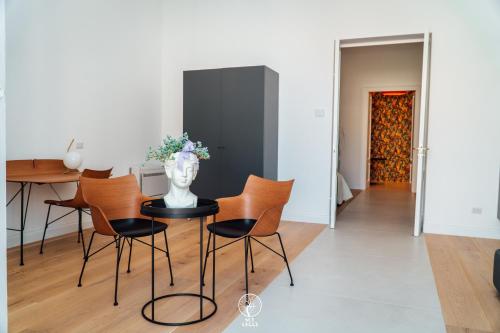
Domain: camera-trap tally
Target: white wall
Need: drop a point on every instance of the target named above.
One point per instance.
(101, 70)
(89, 70)
(295, 38)
(3, 232)
(363, 69)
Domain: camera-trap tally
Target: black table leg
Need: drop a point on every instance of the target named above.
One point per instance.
(213, 262)
(201, 267)
(152, 269)
(23, 222)
(21, 226)
(204, 315)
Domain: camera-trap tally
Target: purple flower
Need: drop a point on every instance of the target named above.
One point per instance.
(188, 146)
(184, 155)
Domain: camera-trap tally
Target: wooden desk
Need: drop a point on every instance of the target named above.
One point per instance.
(24, 172)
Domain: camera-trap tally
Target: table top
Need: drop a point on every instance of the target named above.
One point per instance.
(157, 208)
(48, 178)
(40, 171)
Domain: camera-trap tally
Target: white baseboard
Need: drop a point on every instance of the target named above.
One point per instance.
(54, 230)
(461, 230)
(308, 217)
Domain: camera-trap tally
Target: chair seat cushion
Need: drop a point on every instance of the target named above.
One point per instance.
(232, 228)
(136, 227)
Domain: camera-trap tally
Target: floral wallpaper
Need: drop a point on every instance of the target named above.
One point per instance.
(391, 125)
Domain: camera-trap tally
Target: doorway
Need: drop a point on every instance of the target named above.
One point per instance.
(390, 137)
(407, 166)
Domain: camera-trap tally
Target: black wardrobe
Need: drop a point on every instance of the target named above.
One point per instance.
(234, 112)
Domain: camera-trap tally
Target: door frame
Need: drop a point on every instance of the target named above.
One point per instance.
(368, 140)
(367, 123)
(422, 138)
(340, 43)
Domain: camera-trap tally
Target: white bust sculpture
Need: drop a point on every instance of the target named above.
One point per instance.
(181, 170)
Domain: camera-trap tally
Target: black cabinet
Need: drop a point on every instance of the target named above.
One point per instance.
(234, 112)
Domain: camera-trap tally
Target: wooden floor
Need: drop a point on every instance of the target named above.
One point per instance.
(43, 294)
(463, 270)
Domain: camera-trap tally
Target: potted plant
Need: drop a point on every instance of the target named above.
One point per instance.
(180, 157)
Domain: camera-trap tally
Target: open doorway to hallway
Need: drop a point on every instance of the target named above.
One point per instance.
(390, 137)
(379, 127)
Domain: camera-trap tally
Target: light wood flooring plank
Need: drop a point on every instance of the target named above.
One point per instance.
(44, 297)
(463, 270)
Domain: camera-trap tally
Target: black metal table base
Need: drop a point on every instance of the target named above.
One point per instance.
(204, 317)
(24, 213)
(156, 208)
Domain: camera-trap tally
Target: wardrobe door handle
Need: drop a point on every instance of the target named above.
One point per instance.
(221, 147)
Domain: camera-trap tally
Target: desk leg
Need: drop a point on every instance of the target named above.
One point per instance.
(21, 226)
(24, 215)
(152, 269)
(213, 262)
(201, 267)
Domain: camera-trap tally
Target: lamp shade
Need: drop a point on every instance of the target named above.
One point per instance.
(72, 160)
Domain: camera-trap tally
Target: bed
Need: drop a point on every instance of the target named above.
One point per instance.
(343, 191)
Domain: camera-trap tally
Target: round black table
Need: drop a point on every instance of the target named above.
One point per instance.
(157, 209)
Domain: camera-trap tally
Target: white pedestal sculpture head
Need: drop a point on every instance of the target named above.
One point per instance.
(181, 170)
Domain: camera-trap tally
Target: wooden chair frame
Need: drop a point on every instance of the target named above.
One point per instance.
(77, 203)
(111, 200)
(262, 200)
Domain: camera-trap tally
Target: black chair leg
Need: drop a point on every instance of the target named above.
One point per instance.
(246, 269)
(85, 259)
(118, 255)
(79, 225)
(129, 254)
(206, 258)
(251, 253)
(168, 257)
(286, 260)
(45, 229)
(80, 229)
